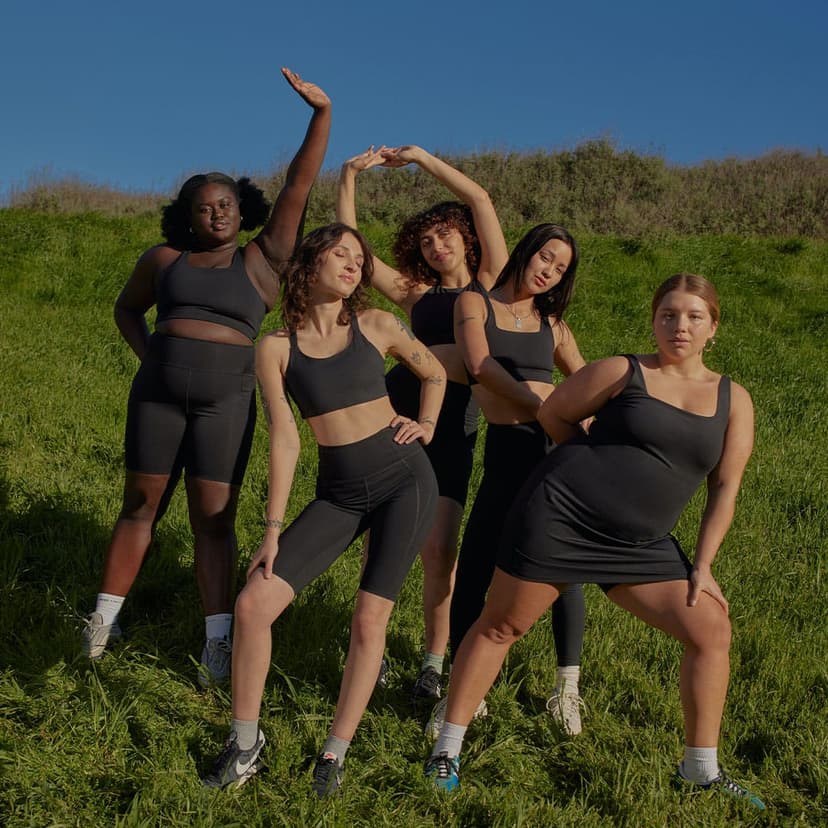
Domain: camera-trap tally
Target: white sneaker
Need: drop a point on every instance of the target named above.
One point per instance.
(565, 709)
(438, 717)
(96, 635)
(215, 662)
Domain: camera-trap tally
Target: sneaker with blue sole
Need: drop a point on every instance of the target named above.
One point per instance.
(443, 771)
(722, 783)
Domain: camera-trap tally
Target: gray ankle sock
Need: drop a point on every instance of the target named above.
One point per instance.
(336, 747)
(246, 732)
(432, 660)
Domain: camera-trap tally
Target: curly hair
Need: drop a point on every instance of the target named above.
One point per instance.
(407, 244)
(689, 283)
(555, 300)
(300, 275)
(176, 216)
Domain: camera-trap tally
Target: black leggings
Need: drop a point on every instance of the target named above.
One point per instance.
(192, 401)
(374, 484)
(451, 450)
(511, 453)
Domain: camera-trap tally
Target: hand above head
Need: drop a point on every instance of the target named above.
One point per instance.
(366, 160)
(400, 156)
(310, 92)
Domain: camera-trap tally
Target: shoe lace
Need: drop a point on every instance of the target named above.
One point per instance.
(325, 766)
(429, 681)
(442, 766)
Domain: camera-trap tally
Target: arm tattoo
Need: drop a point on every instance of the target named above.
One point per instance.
(405, 328)
(416, 358)
(435, 380)
(273, 523)
(266, 408)
(464, 320)
(427, 421)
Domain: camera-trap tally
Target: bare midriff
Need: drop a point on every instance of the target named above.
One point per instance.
(352, 424)
(500, 411)
(199, 329)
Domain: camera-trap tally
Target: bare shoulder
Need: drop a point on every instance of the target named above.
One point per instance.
(381, 321)
(274, 343)
(740, 398)
(159, 256)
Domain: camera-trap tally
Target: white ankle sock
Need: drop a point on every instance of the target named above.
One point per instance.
(450, 739)
(700, 764)
(568, 678)
(334, 746)
(218, 625)
(109, 606)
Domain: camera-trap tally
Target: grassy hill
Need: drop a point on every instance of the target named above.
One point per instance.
(123, 742)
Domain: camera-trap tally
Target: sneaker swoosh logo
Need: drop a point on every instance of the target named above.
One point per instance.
(244, 767)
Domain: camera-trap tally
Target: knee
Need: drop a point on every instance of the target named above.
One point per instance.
(501, 631)
(713, 634)
(368, 626)
(219, 526)
(140, 503)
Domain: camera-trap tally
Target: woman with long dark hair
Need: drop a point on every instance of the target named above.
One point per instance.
(512, 340)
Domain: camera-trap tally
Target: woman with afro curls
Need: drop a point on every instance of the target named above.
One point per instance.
(193, 399)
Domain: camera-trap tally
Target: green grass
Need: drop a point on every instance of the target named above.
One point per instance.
(123, 742)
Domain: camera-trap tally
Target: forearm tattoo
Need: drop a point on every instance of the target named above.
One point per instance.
(273, 523)
(464, 320)
(427, 421)
(435, 380)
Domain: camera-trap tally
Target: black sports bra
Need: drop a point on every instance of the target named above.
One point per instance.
(319, 385)
(526, 356)
(224, 295)
(432, 316)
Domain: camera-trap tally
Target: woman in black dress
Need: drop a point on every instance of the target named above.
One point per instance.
(600, 509)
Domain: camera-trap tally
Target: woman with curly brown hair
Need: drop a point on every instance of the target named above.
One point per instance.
(373, 474)
(193, 397)
(441, 252)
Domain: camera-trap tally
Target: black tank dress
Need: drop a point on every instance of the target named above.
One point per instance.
(600, 508)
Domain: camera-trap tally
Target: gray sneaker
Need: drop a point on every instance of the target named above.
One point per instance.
(96, 635)
(327, 775)
(215, 662)
(235, 766)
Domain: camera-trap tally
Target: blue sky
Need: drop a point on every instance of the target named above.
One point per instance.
(137, 96)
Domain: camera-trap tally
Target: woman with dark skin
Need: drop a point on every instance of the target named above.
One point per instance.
(441, 252)
(600, 509)
(373, 474)
(195, 390)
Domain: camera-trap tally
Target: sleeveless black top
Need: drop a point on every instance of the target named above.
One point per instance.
(432, 315)
(224, 295)
(526, 356)
(641, 462)
(319, 385)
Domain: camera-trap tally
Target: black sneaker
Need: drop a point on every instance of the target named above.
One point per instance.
(382, 676)
(723, 784)
(427, 687)
(235, 766)
(327, 775)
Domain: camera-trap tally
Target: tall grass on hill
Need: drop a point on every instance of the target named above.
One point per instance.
(593, 188)
(122, 742)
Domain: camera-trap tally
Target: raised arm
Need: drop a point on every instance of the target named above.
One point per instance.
(388, 281)
(492, 244)
(138, 296)
(271, 359)
(283, 230)
(404, 346)
(722, 488)
(470, 335)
